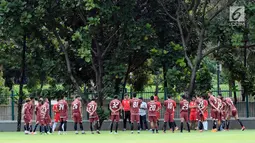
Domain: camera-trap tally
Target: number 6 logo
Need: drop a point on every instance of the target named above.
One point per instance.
(237, 14)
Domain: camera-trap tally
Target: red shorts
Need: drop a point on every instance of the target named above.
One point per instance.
(185, 116)
(234, 113)
(158, 115)
(42, 121)
(169, 117)
(153, 119)
(77, 117)
(93, 119)
(27, 119)
(47, 120)
(215, 114)
(135, 118)
(205, 115)
(115, 118)
(37, 119)
(57, 118)
(193, 116)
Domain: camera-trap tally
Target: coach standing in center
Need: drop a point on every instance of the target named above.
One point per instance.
(126, 108)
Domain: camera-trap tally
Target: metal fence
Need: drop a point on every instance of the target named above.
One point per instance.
(9, 111)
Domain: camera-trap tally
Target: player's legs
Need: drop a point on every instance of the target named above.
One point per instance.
(172, 124)
(138, 123)
(235, 114)
(37, 123)
(112, 119)
(132, 123)
(54, 126)
(186, 119)
(91, 124)
(125, 121)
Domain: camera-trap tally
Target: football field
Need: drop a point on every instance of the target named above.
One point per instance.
(234, 136)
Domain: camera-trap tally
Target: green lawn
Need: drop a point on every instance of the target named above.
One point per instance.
(235, 136)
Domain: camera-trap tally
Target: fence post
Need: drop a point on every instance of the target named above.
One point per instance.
(247, 106)
(12, 98)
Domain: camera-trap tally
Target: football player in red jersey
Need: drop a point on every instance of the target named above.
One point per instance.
(156, 99)
(77, 114)
(56, 115)
(152, 114)
(193, 112)
(32, 103)
(93, 117)
(135, 105)
(115, 107)
(232, 111)
(215, 112)
(184, 107)
(63, 112)
(47, 116)
(37, 113)
(200, 112)
(170, 106)
(205, 123)
(126, 109)
(27, 115)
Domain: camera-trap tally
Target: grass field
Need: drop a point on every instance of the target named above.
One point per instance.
(235, 136)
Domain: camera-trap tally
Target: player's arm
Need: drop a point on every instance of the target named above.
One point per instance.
(111, 108)
(211, 103)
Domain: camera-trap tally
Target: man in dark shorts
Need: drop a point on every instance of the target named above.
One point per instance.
(184, 108)
(126, 109)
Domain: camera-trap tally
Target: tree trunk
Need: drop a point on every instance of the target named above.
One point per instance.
(126, 77)
(230, 84)
(69, 69)
(234, 85)
(192, 82)
(22, 78)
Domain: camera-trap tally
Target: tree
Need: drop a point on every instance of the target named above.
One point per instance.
(193, 19)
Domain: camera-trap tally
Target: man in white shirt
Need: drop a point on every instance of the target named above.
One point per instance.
(142, 113)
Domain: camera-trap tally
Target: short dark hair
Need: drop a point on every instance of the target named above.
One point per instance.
(141, 98)
(152, 97)
(115, 97)
(209, 92)
(134, 94)
(169, 96)
(183, 97)
(126, 94)
(77, 96)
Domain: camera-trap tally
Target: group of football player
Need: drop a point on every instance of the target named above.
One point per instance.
(195, 111)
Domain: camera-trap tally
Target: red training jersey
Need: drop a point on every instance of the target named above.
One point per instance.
(205, 105)
(27, 109)
(115, 106)
(91, 109)
(193, 104)
(126, 104)
(170, 106)
(184, 105)
(152, 108)
(135, 106)
(63, 108)
(230, 103)
(76, 105)
(213, 102)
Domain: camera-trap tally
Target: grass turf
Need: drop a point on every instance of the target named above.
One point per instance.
(234, 136)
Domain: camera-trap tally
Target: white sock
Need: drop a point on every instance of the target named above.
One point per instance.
(205, 124)
(63, 127)
(54, 126)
